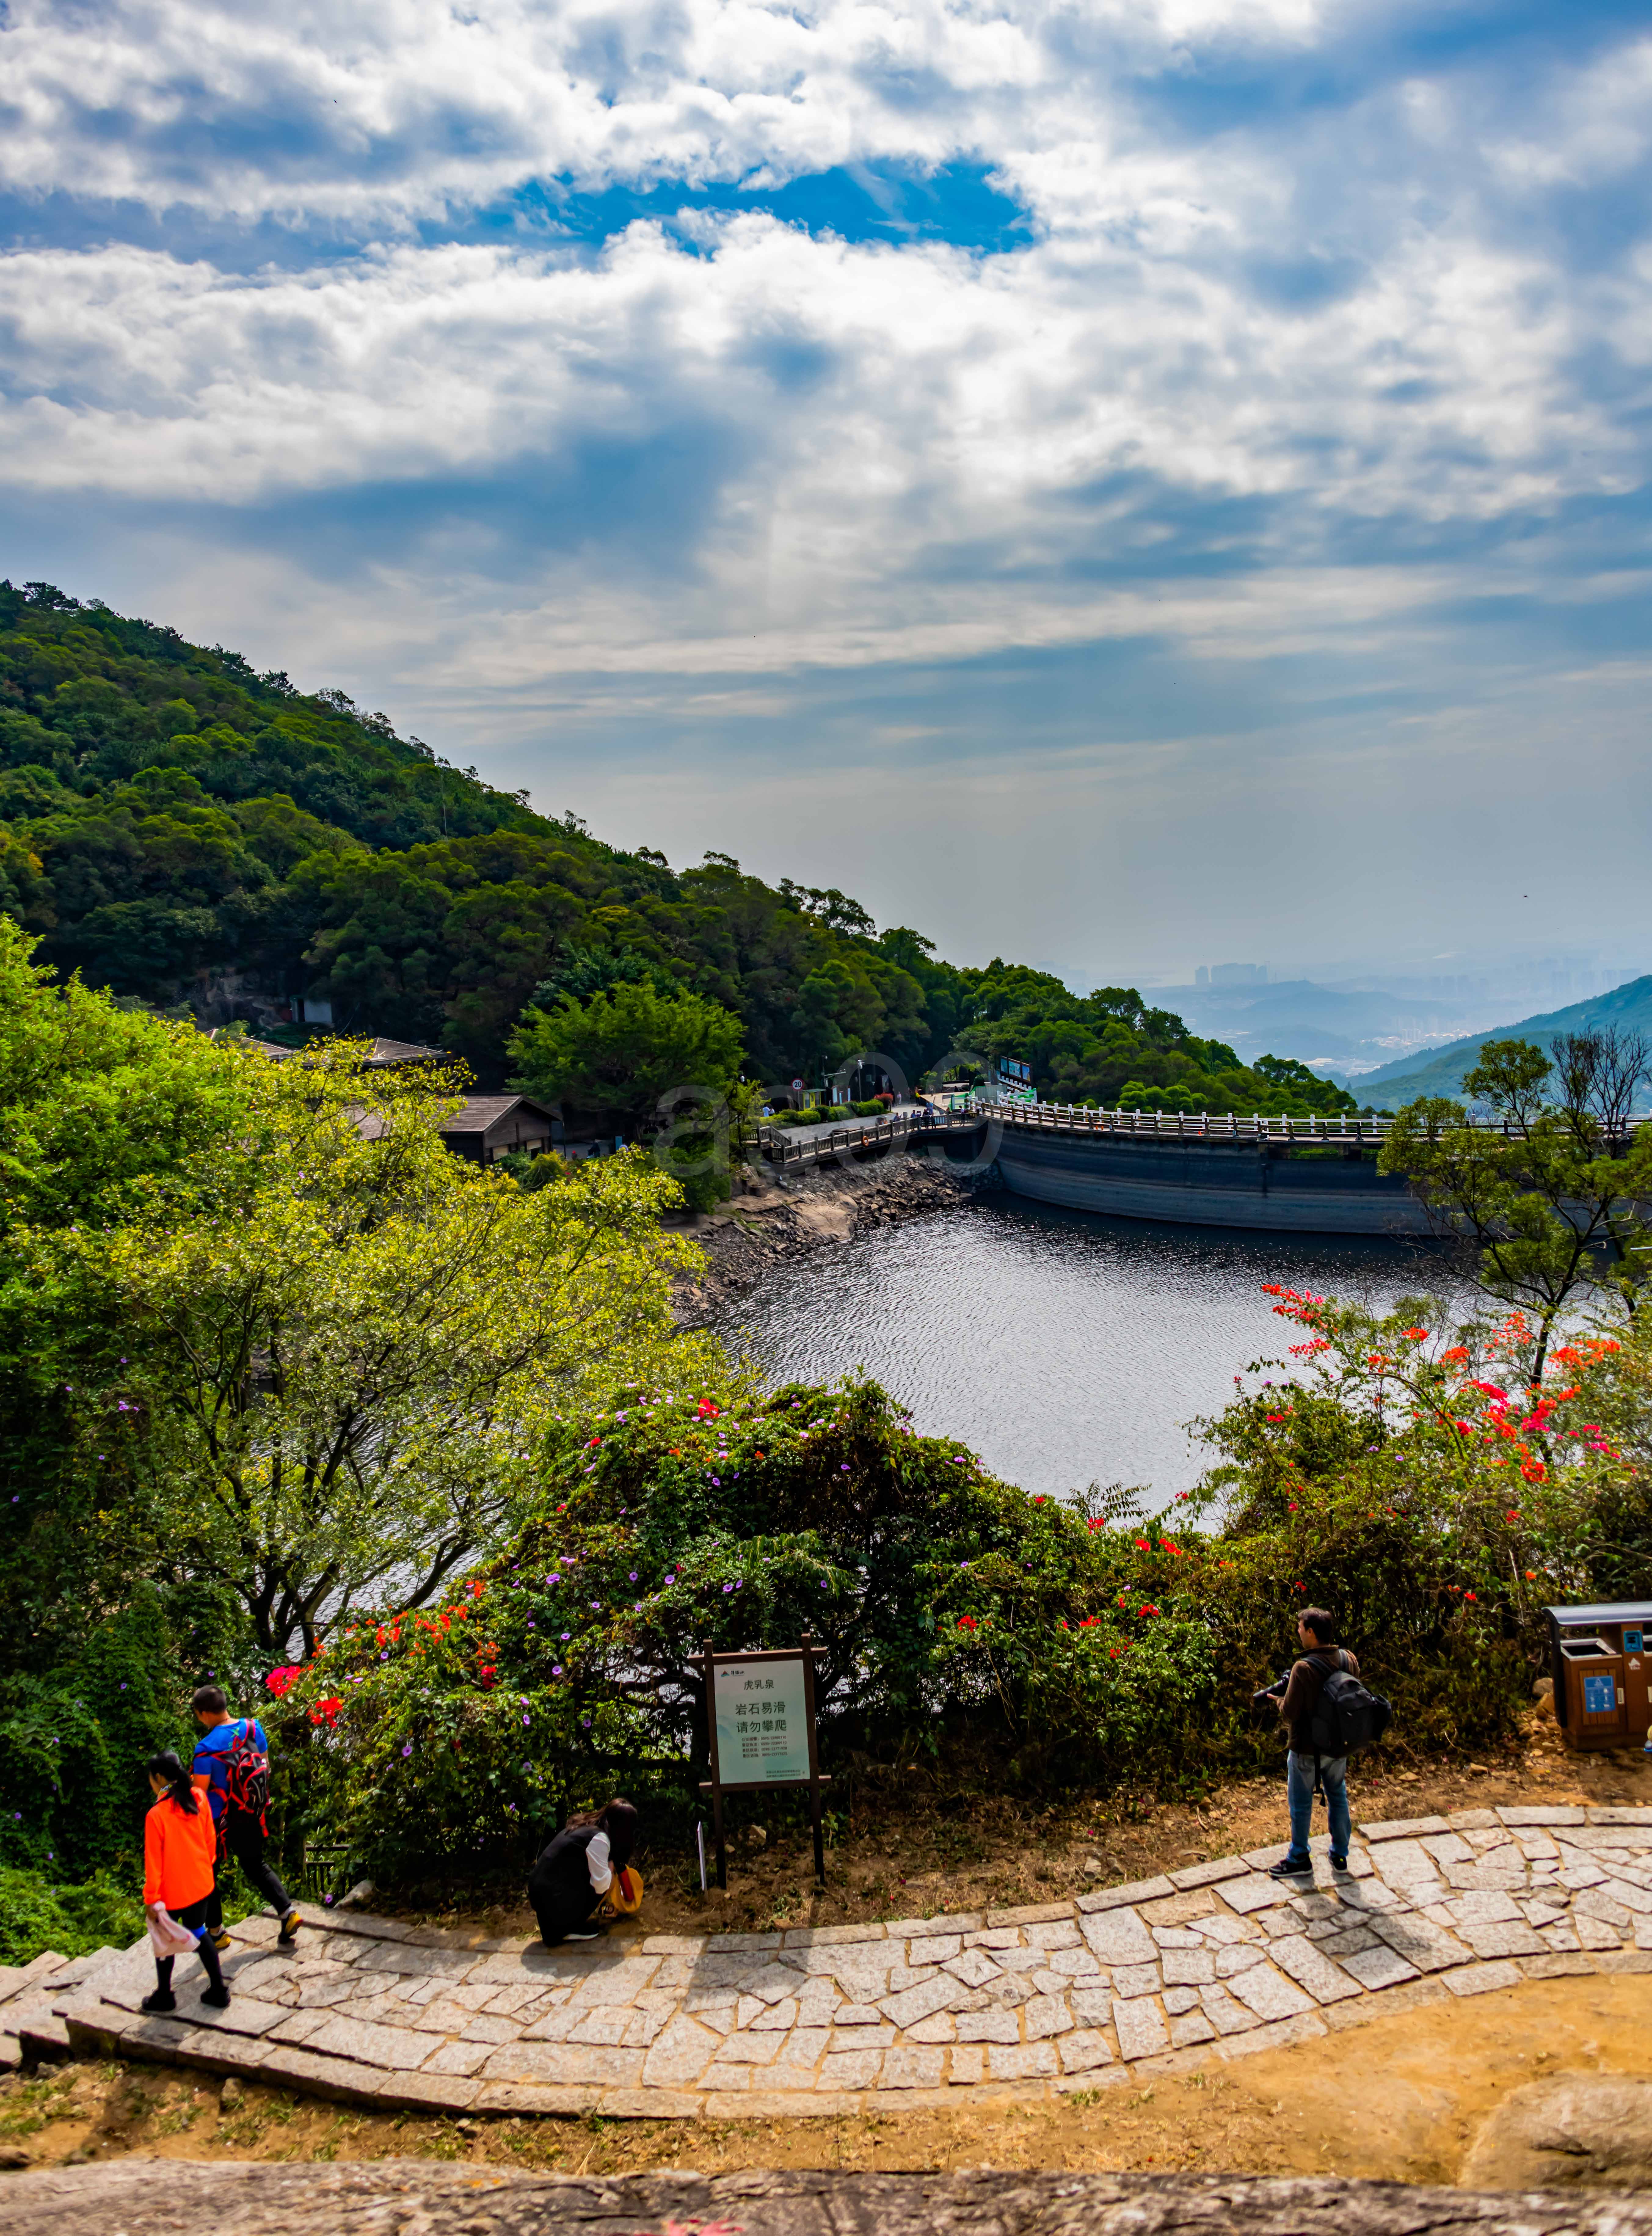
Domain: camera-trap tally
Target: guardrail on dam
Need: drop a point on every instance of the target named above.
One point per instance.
(1313, 1175)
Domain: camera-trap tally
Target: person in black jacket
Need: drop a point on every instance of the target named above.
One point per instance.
(1296, 1701)
(577, 1870)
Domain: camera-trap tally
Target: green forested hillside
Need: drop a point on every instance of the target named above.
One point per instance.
(1441, 1071)
(168, 816)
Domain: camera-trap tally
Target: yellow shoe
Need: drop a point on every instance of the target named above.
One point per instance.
(290, 1925)
(222, 1937)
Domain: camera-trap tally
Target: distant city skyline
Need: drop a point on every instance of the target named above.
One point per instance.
(1147, 485)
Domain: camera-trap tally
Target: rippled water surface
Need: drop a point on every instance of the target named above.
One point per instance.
(1066, 1349)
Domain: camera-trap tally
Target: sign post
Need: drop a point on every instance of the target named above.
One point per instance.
(760, 1721)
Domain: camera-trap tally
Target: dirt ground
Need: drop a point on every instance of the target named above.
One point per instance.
(1402, 2098)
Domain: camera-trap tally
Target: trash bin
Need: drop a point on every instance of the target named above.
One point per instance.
(1603, 1678)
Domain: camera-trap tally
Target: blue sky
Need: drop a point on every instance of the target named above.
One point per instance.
(1122, 485)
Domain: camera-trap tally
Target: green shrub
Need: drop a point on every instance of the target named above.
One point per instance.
(38, 1913)
(1045, 1648)
(74, 1736)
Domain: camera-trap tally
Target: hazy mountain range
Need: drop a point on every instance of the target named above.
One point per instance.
(1629, 1006)
(1327, 1027)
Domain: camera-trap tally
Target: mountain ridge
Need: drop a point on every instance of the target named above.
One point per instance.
(1628, 1006)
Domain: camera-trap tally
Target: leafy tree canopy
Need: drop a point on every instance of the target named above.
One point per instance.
(627, 1050)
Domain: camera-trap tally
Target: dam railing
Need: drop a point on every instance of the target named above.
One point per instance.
(1343, 1129)
(816, 1145)
(1347, 1130)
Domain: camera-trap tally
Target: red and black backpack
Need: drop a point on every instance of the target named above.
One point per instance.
(246, 1776)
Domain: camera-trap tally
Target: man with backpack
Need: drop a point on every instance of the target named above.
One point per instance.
(1326, 1710)
(233, 1762)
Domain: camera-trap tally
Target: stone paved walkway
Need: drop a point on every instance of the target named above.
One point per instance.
(1215, 1961)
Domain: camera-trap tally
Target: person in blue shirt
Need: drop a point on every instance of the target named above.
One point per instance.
(241, 1831)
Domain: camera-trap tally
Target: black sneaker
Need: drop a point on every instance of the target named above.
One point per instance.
(1290, 1871)
(217, 1997)
(1339, 1862)
(163, 2000)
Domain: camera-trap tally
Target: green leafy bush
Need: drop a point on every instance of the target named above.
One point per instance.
(38, 1913)
(1033, 1645)
(74, 1735)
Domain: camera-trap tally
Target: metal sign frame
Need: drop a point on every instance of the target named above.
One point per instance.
(805, 1651)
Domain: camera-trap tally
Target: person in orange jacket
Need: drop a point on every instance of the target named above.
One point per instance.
(179, 1849)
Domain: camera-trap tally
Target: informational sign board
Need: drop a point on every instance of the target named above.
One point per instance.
(760, 1716)
(761, 1733)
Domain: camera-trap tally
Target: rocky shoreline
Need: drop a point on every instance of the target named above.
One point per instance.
(770, 1220)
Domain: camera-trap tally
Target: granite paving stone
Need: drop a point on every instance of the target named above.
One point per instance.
(1377, 1967)
(1084, 2051)
(1139, 2025)
(996, 2026)
(1215, 1958)
(1269, 1994)
(1312, 1969)
(1117, 1936)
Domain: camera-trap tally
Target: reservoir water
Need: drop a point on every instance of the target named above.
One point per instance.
(1065, 1348)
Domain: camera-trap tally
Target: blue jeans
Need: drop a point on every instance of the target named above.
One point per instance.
(1299, 1785)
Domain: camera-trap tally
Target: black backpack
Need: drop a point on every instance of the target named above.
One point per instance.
(1347, 1715)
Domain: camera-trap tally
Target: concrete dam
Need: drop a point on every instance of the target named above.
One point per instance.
(1310, 1185)
(1292, 1175)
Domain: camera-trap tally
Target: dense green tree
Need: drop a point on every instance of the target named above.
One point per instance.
(104, 1113)
(631, 1052)
(1552, 1200)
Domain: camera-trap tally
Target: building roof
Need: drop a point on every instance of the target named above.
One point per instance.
(480, 1114)
(383, 1052)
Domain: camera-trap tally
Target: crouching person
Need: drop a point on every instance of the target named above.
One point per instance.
(577, 1870)
(179, 1849)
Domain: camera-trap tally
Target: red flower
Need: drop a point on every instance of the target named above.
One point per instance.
(1455, 1356)
(326, 1711)
(283, 1679)
(968, 1622)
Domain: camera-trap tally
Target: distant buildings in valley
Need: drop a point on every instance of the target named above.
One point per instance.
(1231, 974)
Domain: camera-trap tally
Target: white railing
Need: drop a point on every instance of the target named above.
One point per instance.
(1343, 1129)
